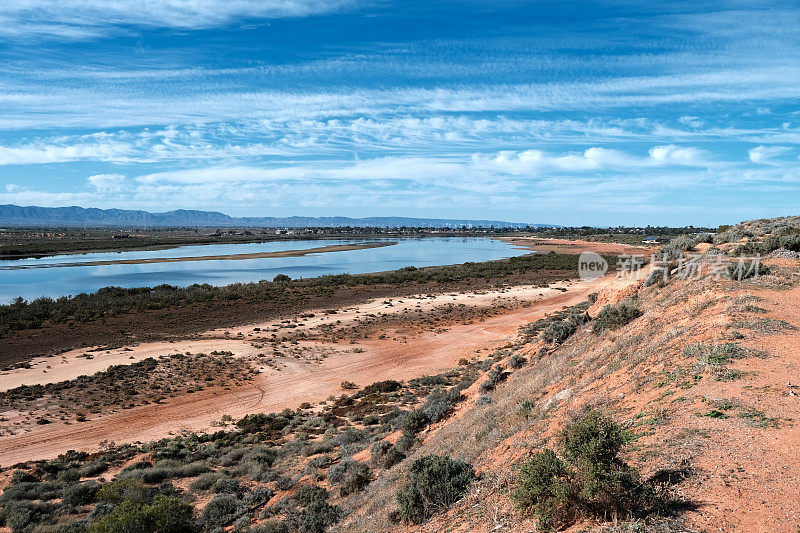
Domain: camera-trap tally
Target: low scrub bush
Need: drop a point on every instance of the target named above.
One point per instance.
(206, 481)
(164, 515)
(677, 246)
(270, 526)
(25, 515)
(380, 387)
(746, 270)
(120, 490)
(351, 475)
(614, 317)
(227, 485)
(81, 493)
(558, 332)
(493, 378)
(588, 479)
(414, 422)
(516, 361)
(435, 483)
(317, 513)
(439, 404)
(32, 490)
(221, 510)
(384, 454)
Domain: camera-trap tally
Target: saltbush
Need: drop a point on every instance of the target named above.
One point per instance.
(164, 515)
(221, 510)
(516, 361)
(589, 479)
(351, 475)
(435, 483)
(317, 514)
(614, 317)
(747, 269)
(81, 493)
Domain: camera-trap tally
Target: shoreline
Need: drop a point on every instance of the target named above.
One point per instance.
(225, 257)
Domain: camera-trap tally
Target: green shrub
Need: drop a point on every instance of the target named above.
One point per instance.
(385, 455)
(435, 483)
(81, 493)
(94, 468)
(677, 246)
(227, 485)
(558, 332)
(380, 387)
(516, 361)
(790, 242)
(615, 317)
(20, 476)
(206, 481)
(439, 403)
(414, 422)
(164, 515)
(31, 490)
(130, 489)
(352, 475)
(25, 515)
(545, 487)
(747, 269)
(493, 378)
(591, 480)
(270, 526)
(252, 423)
(317, 514)
(191, 470)
(221, 510)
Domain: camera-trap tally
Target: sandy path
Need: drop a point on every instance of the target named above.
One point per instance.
(273, 390)
(228, 257)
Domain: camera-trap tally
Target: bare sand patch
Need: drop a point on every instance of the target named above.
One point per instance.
(576, 246)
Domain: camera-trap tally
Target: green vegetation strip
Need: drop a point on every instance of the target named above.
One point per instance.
(110, 301)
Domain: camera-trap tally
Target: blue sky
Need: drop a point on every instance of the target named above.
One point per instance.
(570, 113)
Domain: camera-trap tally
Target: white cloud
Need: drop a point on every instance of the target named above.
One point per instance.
(678, 155)
(41, 153)
(693, 122)
(592, 159)
(107, 183)
(48, 103)
(766, 155)
(21, 196)
(86, 19)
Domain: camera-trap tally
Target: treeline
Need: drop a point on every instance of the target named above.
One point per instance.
(110, 301)
(21, 244)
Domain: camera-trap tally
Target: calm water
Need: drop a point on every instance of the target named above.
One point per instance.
(62, 281)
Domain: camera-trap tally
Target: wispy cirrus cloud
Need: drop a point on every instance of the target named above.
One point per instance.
(43, 152)
(87, 19)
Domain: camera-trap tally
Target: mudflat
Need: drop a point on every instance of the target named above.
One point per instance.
(227, 257)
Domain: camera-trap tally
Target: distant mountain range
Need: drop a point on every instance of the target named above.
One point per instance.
(13, 215)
